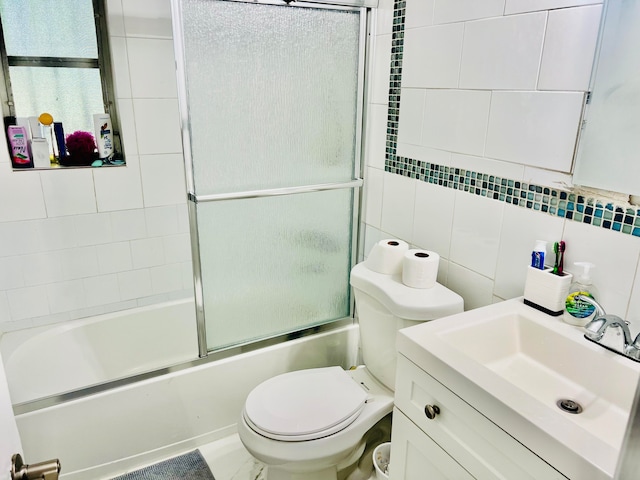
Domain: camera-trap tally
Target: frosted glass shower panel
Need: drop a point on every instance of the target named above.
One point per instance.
(274, 265)
(272, 94)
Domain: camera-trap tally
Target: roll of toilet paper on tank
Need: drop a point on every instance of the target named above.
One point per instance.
(420, 268)
(386, 256)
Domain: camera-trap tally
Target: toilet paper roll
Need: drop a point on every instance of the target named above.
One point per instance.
(386, 256)
(420, 268)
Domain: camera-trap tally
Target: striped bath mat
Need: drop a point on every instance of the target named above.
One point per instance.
(190, 466)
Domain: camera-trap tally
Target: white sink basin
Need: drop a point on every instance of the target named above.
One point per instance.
(510, 355)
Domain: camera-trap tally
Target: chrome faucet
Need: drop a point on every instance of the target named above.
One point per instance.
(596, 328)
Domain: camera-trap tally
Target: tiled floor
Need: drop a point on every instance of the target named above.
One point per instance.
(229, 460)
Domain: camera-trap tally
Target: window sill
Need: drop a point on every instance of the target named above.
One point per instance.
(55, 166)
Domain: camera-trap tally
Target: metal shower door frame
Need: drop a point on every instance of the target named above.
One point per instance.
(193, 199)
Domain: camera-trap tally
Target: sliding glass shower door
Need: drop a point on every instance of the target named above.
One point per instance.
(271, 101)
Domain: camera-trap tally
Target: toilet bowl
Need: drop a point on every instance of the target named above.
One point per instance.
(312, 424)
(330, 437)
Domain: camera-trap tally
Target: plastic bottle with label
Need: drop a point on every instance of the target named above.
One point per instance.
(578, 312)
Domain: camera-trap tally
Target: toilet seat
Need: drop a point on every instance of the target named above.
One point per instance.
(305, 404)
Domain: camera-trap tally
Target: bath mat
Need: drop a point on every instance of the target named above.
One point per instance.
(190, 466)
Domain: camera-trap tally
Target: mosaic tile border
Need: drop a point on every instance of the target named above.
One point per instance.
(593, 211)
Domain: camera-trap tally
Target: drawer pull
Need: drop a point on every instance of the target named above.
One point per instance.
(431, 411)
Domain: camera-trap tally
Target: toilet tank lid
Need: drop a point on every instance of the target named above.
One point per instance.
(403, 301)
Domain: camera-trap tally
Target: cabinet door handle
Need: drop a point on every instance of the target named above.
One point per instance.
(431, 411)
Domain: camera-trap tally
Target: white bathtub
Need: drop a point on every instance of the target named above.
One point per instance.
(104, 434)
(45, 361)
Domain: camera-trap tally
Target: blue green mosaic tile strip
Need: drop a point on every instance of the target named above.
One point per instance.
(592, 211)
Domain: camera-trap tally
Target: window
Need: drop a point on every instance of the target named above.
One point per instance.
(55, 59)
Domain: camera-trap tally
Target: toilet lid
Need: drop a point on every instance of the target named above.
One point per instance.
(305, 404)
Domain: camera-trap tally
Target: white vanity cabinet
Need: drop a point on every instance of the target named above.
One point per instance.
(458, 443)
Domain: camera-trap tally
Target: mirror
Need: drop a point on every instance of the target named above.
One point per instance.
(609, 146)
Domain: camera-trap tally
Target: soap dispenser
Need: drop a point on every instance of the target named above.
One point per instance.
(578, 312)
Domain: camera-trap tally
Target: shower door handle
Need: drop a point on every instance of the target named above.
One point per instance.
(48, 470)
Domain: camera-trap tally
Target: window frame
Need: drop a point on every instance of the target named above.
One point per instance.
(103, 63)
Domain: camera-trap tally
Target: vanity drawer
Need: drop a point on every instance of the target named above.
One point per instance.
(414, 456)
(481, 447)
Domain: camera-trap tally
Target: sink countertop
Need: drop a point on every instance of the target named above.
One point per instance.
(458, 352)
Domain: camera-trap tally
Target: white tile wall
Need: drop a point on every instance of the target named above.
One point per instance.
(521, 6)
(529, 133)
(569, 48)
(534, 128)
(456, 120)
(503, 52)
(84, 241)
(433, 56)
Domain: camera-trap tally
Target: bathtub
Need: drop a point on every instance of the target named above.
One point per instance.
(46, 361)
(101, 435)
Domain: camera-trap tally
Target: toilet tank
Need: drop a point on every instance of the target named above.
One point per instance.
(385, 305)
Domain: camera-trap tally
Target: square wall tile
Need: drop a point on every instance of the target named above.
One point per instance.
(120, 67)
(447, 11)
(147, 252)
(456, 120)
(157, 125)
(163, 181)
(94, 229)
(41, 268)
(521, 6)
(147, 18)
(28, 302)
(134, 284)
(166, 278)
(21, 196)
(57, 233)
(384, 14)
(381, 66)
(521, 228)
(475, 289)
(424, 154)
(119, 188)
(128, 133)
(115, 18)
(128, 225)
(79, 262)
(11, 273)
(534, 128)
(397, 209)
(101, 290)
(66, 296)
(418, 13)
(152, 66)
(114, 257)
(177, 248)
(374, 185)
(431, 57)
(475, 235)
(20, 238)
(411, 114)
(433, 218)
(162, 220)
(503, 53)
(569, 48)
(376, 139)
(68, 192)
(488, 166)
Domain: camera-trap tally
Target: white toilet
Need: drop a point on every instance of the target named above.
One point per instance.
(311, 424)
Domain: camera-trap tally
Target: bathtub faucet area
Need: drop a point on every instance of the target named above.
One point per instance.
(48, 470)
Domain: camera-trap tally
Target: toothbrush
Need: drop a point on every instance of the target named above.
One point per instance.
(556, 250)
(561, 248)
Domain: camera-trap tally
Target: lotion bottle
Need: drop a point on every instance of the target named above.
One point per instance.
(578, 312)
